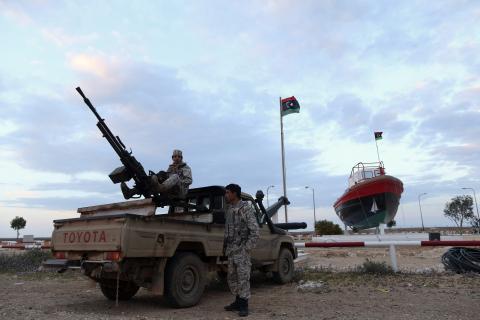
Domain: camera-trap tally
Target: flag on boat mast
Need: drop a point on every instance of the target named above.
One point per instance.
(287, 106)
(378, 136)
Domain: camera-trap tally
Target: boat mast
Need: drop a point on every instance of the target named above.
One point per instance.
(378, 155)
(378, 136)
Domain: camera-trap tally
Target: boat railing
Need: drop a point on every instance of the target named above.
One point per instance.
(364, 171)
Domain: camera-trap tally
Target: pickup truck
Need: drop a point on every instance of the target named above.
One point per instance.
(127, 245)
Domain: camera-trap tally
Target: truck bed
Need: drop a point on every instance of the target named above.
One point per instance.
(134, 235)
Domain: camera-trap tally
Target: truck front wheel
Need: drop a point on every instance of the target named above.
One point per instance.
(185, 280)
(126, 289)
(285, 267)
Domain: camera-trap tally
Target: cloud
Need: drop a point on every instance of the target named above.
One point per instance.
(61, 38)
(206, 79)
(15, 12)
(153, 112)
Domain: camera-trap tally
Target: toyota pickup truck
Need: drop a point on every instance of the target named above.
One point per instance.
(127, 245)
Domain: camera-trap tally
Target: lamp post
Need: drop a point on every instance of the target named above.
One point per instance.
(272, 186)
(475, 197)
(314, 216)
(421, 215)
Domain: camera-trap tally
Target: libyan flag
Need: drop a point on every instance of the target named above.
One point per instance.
(378, 135)
(290, 105)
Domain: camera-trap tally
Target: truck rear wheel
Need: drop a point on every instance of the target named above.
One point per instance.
(185, 280)
(285, 267)
(126, 289)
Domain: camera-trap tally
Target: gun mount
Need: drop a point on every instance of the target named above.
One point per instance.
(278, 228)
(273, 209)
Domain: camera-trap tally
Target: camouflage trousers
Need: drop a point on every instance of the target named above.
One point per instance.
(173, 186)
(238, 277)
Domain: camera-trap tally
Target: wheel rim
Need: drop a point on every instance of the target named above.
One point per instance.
(285, 267)
(188, 280)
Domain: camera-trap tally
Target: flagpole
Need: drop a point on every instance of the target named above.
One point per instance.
(284, 173)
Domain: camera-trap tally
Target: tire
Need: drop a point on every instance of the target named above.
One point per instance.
(185, 280)
(285, 267)
(126, 289)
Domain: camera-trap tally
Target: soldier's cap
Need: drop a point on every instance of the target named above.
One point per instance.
(177, 153)
(235, 188)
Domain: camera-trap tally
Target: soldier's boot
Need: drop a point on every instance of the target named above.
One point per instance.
(234, 306)
(127, 192)
(243, 308)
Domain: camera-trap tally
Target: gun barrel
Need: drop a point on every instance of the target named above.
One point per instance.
(259, 200)
(89, 104)
(272, 210)
(291, 225)
(79, 90)
(131, 167)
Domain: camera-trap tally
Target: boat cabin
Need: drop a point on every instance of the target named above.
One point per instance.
(365, 170)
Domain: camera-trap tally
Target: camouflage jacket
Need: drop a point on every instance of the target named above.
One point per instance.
(241, 228)
(184, 173)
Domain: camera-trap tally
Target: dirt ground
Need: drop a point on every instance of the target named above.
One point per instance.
(337, 295)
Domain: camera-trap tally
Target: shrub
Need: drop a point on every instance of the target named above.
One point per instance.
(325, 227)
(26, 261)
(375, 267)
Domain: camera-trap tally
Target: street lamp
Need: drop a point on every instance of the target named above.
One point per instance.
(272, 186)
(314, 216)
(421, 215)
(475, 197)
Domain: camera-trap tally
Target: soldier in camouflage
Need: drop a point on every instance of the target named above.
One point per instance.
(241, 235)
(175, 181)
(178, 177)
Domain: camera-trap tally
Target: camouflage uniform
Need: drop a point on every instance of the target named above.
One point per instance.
(174, 182)
(241, 235)
(179, 178)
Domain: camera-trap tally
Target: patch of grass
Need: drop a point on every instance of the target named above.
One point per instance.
(25, 261)
(374, 274)
(329, 276)
(375, 267)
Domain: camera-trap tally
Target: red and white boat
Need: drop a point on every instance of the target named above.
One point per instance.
(372, 197)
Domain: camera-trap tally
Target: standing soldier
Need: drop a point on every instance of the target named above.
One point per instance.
(175, 181)
(241, 234)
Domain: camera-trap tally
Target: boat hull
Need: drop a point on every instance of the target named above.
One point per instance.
(370, 203)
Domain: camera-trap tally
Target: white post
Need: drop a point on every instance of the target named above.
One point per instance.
(393, 257)
(284, 172)
(381, 227)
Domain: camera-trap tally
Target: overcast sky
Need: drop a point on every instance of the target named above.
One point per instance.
(206, 77)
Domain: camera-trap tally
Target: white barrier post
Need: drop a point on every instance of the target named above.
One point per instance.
(393, 257)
